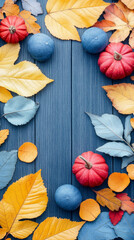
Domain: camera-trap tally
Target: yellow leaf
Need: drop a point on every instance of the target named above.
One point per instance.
(2, 233)
(62, 19)
(129, 3)
(9, 54)
(107, 199)
(118, 181)
(24, 78)
(3, 135)
(122, 97)
(57, 229)
(5, 95)
(24, 199)
(130, 170)
(10, 9)
(27, 152)
(89, 210)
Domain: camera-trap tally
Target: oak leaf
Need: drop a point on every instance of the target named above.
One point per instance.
(24, 78)
(57, 229)
(107, 198)
(122, 97)
(3, 135)
(115, 216)
(118, 181)
(118, 17)
(127, 205)
(24, 199)
(10, 9)
(130, 170)
(89, 210)
(27, 152)
(62, 19)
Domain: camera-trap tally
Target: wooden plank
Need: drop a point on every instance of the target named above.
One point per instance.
(53, 123)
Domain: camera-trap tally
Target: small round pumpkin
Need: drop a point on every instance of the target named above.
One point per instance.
(117, 61)
(90, 169)
(13, 29)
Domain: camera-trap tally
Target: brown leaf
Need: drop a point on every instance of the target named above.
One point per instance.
(118, 17)
(3, 135)
(122, 97)
(127, 205)
(107, 198)
(10, 9)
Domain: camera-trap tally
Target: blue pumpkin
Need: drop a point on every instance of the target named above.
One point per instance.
(94, 40)
(68, 197)
(40, 47)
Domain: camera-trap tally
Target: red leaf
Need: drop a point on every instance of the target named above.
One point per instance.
(127, 204)
(115, 217)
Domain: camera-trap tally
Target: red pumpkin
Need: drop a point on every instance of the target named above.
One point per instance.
(90, 169)
(117, 61)
(13, 29)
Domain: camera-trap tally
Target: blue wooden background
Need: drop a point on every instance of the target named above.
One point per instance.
(61, 130)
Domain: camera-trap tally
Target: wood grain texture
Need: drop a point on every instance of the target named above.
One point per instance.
(61, 130)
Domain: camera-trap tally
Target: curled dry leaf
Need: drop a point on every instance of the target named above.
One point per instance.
(62, 19)
(122, 97)
(115, 216)
(126, 203)
(24, 78)
(118, 17)
(5, 95)
(57, 229)
(27, 152)
(118, 181)
(130, 170)
(9, 8)
(108, 199)
(3, 135)
(89, 210)
(24, 199)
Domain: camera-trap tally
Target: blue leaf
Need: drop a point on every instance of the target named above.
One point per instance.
(32, 6)
(128, 129)
(116, 149)
(125, 228)
(126, 161)
(20, 110)
(2, 3)
(7, 166)
(107, 126)
(100, 229)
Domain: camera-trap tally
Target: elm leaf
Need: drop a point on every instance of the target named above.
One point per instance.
(126, 161)
(116, 149)
(7, 166)
(107, 126)
(20, 110)
(128, 129)
(32, 6)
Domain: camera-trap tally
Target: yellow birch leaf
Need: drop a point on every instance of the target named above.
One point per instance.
(24, 199)
(24, 78)
(89, 210)
(122, 97)
(57, 229)
(62, 19)
(107, 198)
(27, 152)
(5, 95)
(9, 54)
(129, 3)
(2, 233)
(3, 135)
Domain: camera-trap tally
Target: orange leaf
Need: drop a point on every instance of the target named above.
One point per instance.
(5, 95)
(132, 122)
(129, 3)
(130, 170)
(118, 17)
(27, 152)
(3, 135)
(2, 233)
(107, 199)
(89, 210)
(118, 181)
(10, 9)
(127, 204)
(122, 97)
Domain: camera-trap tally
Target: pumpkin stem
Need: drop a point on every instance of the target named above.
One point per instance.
(12, 29)
(117, 56)
(88, 165)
